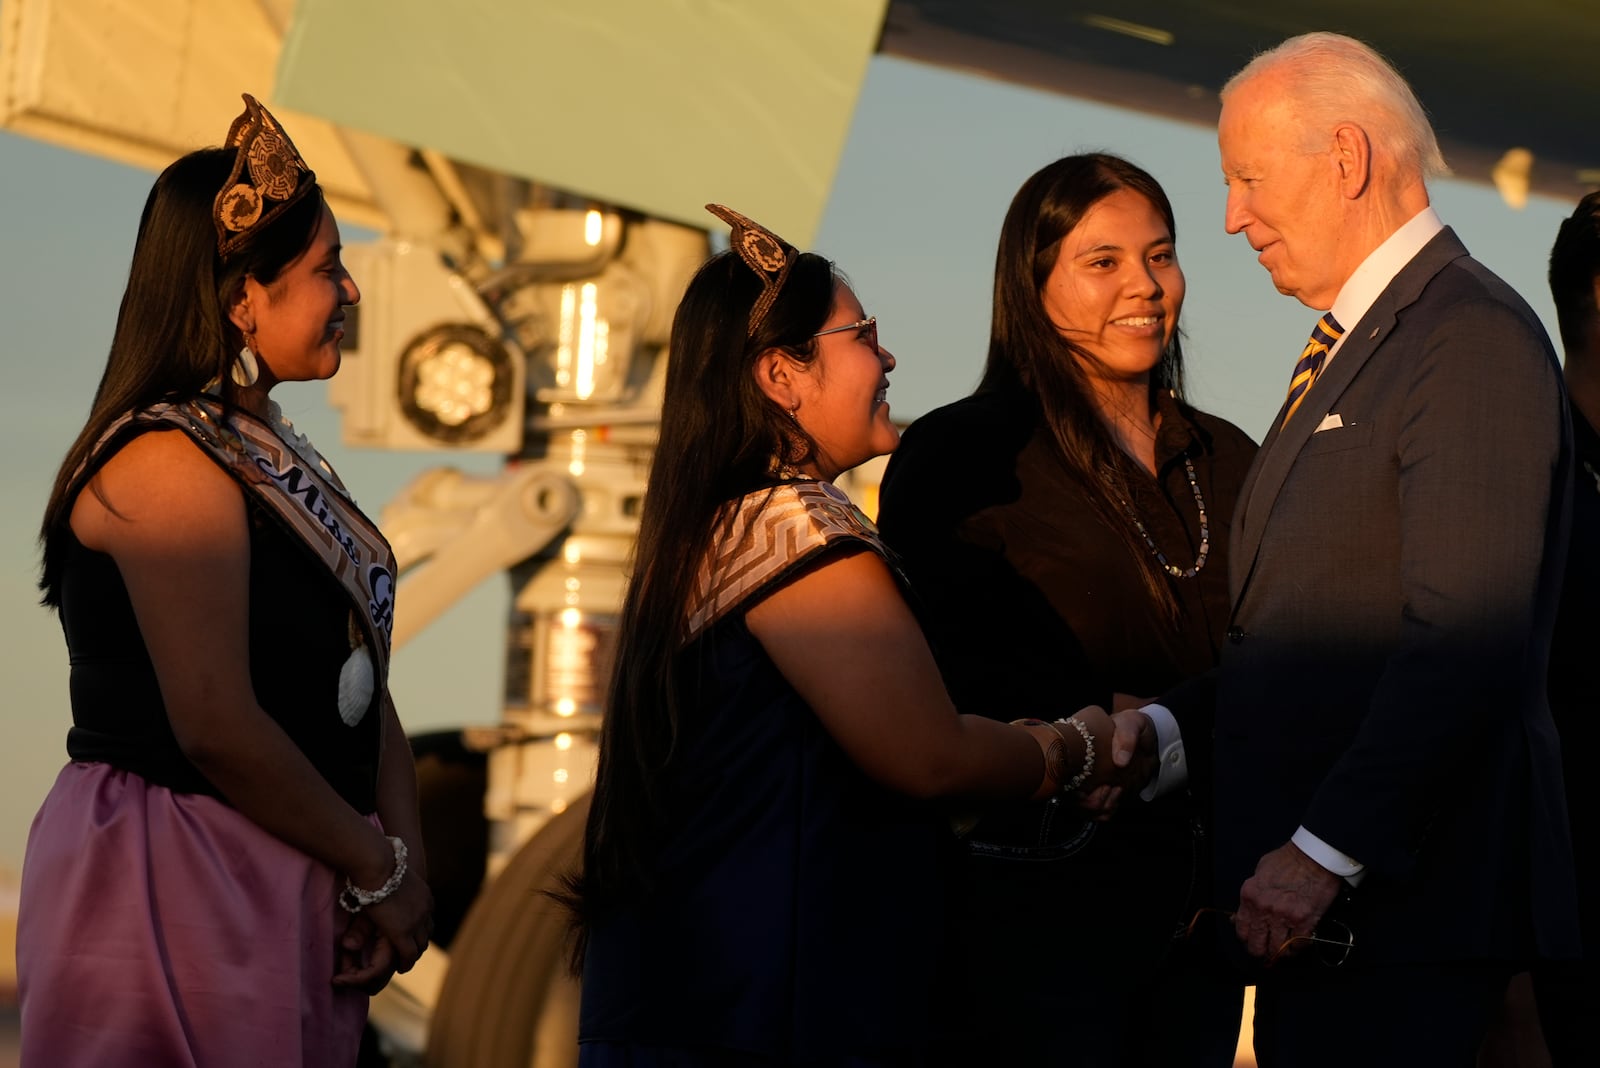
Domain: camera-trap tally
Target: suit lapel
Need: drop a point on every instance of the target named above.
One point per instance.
(1283, 444)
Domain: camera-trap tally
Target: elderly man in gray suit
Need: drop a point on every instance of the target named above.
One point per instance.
(1382, 743)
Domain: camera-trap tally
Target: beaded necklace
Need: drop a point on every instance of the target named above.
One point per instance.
(297, 442)
(1205, 530)
(302, 447)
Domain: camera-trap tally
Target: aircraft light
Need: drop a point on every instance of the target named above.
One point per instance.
(455, 383)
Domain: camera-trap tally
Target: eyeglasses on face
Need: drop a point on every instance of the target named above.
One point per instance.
(868, 328)
(1329, 945)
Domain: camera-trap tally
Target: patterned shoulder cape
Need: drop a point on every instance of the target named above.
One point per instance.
(770, 533)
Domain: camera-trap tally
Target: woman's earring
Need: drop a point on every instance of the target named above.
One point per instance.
(245, 369)
(794, 413)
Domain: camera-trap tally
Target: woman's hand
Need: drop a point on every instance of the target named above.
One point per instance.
(1102, 729)
(405, 920)
(387, 937)
(365, 959)
(1134, 742)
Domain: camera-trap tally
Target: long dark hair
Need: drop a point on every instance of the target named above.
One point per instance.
(719, 438)
(1574, 263)
(173, 334)
(1028, 354)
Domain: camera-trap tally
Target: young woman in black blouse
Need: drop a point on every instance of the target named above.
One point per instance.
(1065, 528)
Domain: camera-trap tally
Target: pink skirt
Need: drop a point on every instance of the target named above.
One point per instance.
(162, 929)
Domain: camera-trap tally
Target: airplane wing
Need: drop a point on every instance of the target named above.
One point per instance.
(675, 99)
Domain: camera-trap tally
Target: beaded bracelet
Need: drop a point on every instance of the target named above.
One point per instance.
(353, 899)
(1088, 754)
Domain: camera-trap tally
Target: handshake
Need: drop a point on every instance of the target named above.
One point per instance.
(1095, 756)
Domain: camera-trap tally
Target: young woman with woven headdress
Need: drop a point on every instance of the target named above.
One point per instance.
(759, 881)
(232, 860)
(1067, 528)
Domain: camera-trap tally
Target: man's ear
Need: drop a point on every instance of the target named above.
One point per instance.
(775, 372)
(240, 312)
(1352, 153)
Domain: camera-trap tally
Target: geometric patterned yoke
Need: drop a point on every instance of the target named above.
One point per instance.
(769, 534)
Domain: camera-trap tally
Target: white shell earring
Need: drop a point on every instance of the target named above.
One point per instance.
(245, 369)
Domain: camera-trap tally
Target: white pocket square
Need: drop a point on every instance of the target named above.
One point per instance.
(1329, 422)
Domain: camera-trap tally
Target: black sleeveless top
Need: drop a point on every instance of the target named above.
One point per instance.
(299, 640)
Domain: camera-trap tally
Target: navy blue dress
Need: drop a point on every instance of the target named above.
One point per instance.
(794, 917)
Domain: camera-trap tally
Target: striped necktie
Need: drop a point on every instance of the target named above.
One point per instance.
(1323, 335)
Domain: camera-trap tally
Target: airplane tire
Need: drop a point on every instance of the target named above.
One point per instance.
(507, 1000)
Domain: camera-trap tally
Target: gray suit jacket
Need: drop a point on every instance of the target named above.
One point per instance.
(1394, 582)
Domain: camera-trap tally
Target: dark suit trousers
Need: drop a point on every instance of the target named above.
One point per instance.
(1404, 1015)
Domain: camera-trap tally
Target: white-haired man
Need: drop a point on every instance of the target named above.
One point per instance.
(1383, 745)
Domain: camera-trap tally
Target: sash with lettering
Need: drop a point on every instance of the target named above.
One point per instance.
(312, 504)
(764, 536)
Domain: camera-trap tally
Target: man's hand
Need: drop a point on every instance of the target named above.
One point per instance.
(1133, 755)
(1133, 747)
(1284, 899)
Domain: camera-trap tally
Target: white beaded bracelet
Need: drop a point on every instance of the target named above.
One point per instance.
(353, 899)
(1088, 755)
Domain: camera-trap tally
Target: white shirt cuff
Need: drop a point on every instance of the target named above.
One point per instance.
(1172, 768)
(1349, 869)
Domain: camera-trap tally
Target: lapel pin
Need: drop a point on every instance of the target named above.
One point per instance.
(1374, 332)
